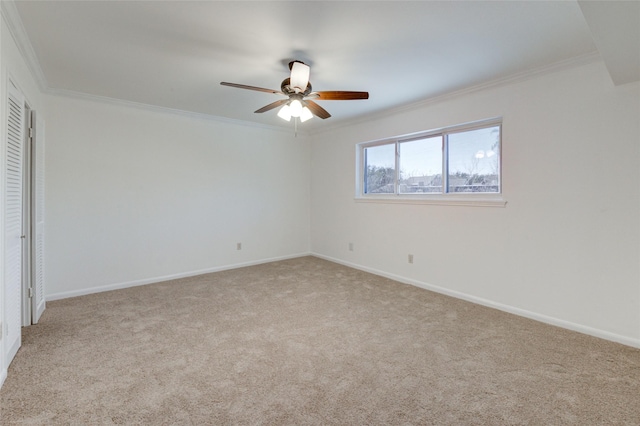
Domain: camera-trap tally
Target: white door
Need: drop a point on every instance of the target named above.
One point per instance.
(13, 221)
(37, 221)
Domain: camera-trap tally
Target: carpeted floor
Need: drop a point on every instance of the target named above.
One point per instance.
(306, 341)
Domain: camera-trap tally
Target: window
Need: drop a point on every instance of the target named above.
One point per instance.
(451, 163)
(420, 165)
(380, 173)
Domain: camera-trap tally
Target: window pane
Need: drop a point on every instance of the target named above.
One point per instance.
(474, 163)
(421, 166)
(379, 169)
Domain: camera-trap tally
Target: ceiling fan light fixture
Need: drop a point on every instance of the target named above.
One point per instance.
(285, 113)
(299, 75)
(295, 106)
(305, 115)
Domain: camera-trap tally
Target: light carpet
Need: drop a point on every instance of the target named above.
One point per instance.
(307, 341)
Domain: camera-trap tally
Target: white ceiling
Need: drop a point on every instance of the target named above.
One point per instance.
(174, 54)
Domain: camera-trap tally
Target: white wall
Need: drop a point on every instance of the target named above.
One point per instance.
(134, 196)
(566, 247)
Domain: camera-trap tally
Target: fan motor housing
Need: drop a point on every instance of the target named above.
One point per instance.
(288, 90)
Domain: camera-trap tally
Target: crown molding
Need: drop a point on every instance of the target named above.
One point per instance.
(503, 81)
(19, 34)
(577, 61)
(164, 110)
(16, 28)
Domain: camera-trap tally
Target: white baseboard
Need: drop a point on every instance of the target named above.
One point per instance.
(135, 283)
(12, 351)
(3, 376)
(629, 341)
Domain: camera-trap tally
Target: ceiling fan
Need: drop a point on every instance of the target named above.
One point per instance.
(299, 102)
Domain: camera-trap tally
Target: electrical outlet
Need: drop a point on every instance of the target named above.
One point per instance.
(410, 258)
(350, 246)
(239, 246)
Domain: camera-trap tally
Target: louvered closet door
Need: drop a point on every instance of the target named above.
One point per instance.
(13, 220)
(38, 303)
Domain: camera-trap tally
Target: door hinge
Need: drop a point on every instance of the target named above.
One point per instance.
(30, 132)
(30, 292)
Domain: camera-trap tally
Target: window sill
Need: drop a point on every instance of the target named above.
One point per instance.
(470, 200)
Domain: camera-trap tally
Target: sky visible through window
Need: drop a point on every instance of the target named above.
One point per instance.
(421, 157)
(381, 156)
(474, 151)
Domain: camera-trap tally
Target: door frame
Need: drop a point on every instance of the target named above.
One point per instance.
(27, 218)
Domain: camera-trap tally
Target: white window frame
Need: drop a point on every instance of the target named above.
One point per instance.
(484, 199)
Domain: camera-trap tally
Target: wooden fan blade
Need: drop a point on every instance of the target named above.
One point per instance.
(272, 105)
(258, 89)
(317, 110)
(339, 95)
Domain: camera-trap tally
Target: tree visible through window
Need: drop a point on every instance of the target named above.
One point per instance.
(455, 160)
(380, 170)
